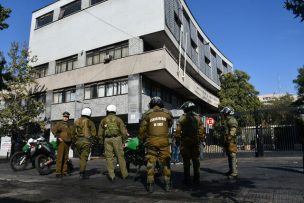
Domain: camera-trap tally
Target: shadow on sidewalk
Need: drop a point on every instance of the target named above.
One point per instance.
(285, 169)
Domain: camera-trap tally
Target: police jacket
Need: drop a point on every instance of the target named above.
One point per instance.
(190, 126)
(118, 130)
(230, 126)
(155, 126)
(63, 130)
(85, 128)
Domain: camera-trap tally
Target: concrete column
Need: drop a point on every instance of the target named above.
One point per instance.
(48, 106)
(81, 59)
(136, 46)
(51, 69)
(79, 97)
(134, 98)
(85, 4)
(56, 14)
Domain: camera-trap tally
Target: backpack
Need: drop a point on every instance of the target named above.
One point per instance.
(111, 127)
(190, 126)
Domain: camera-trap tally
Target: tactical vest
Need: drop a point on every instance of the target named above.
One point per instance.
(111, 127)
(190, 126)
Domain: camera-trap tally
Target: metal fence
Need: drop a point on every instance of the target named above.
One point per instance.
(265, 131)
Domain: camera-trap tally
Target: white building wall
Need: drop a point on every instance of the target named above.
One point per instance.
(97, 26)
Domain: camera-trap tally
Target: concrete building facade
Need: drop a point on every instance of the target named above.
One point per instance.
(92, 53)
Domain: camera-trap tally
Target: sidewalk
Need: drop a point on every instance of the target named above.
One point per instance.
(268, 179)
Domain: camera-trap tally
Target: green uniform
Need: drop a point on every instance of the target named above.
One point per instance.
(229, 132)
(85, 132)
(62, 130)
(190, 131)
(113, 134)
(154, 128)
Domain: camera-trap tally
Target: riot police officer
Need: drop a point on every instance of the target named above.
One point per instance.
(154, 128)
(112, 133)
(62, 130)
(229, 127)
(85, 133)
(190, 131)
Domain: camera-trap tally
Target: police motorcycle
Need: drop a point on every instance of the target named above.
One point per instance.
(20, 159)
(135, 154)
(47, 158)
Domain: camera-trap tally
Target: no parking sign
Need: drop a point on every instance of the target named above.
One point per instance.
(210, 121)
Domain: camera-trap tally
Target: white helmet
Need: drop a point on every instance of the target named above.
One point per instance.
(86, 112)
(111, 108)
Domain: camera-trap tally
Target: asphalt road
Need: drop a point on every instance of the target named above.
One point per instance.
(268, 179)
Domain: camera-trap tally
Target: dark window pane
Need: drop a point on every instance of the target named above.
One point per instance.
(96, 1)
(44, 20)
(70, 9)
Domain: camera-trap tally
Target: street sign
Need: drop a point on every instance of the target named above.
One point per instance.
(210, 121)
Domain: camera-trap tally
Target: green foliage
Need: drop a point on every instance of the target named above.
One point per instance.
(297, 7)
(21, 109)
(4, 14)
(4, 76)
(237, 92)
(299, 81)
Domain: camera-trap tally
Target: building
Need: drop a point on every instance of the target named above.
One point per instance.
(267, 99)
(92, 53)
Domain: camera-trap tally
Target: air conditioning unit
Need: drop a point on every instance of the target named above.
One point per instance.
(108, 58)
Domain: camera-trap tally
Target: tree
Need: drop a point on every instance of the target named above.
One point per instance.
(299, 81)
(4, 76)
(4, 14)
(237, 92)
(21, 110)
(296, 6)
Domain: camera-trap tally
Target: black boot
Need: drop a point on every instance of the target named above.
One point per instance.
(150, 187)
(83, 176)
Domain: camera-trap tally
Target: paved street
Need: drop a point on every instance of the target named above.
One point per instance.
(269, 179)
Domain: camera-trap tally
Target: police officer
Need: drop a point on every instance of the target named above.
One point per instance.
(190, 130)
(229, 127)
(63, 132)
(155, 129)
(85, 133)
(113, 133)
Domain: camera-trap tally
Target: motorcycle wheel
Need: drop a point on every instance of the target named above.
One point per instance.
(41, 164)
(18, 161)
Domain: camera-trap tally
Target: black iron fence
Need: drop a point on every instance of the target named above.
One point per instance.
(260, 132)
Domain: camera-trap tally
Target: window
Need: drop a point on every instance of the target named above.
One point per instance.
(99, 55)
(70, 9)
(110, 88)
(44, 20)
(64, 95)
(40, 71)
(93, 2)
(66, 64)
(224, 64)
(41, 97)
(207, 61)
(213, 52)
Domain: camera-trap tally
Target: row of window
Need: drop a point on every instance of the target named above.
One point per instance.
(105, 89)
(64, 95)
(93, 57)
(65, 10)
(102, 55)
(153, 89)
(92, 91)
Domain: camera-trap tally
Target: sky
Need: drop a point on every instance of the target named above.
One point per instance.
(259, 37)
